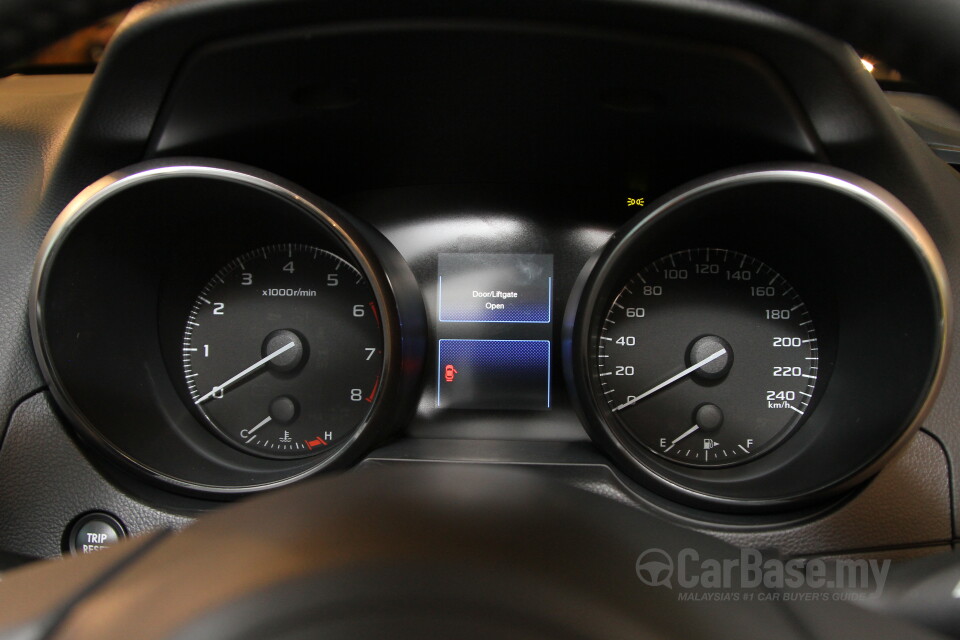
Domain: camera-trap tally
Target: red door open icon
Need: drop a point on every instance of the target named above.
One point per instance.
(449, 372)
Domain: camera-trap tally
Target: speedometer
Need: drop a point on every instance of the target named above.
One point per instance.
(732, 347)
(707, 357)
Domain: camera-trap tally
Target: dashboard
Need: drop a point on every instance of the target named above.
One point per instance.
(284, 338)
(687, 259)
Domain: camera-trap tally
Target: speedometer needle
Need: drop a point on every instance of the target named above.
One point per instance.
(256, 365)
(673, 378)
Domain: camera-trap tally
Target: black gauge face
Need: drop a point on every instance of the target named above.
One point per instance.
(283, 351)
(707, 357)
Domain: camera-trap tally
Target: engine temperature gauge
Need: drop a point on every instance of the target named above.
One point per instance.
(283, 351)
(707, 357)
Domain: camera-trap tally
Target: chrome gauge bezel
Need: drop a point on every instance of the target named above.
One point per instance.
(195, 460)
(779, 205)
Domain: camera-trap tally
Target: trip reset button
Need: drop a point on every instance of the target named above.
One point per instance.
(93, 532)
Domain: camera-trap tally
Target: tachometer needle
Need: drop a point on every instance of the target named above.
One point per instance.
(681, 437)
(673, 378)
(256, 365)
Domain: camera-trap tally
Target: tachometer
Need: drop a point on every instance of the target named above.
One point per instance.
(283, 350)
(707, 357)
(278, 337)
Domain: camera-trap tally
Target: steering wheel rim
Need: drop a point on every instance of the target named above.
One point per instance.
(440, 550)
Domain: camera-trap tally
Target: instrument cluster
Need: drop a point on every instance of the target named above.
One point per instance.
(736, 344)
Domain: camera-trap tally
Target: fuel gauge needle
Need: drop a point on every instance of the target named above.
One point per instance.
(256, 365)
(681, 437)
(673, 379)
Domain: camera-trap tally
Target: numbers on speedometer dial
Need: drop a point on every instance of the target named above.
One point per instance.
(283, 351)
(707, 357)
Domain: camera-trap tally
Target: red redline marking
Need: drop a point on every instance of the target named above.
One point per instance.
(376, 383)
(318, 441)
(376, 316)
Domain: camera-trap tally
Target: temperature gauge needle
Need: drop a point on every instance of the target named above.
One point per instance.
(673, 379)
(256, 365)
(248, 434)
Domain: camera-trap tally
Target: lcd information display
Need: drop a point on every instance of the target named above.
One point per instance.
(494, 330)
(495, 287)
(494, 374)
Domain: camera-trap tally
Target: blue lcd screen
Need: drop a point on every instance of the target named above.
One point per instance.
(494, 374)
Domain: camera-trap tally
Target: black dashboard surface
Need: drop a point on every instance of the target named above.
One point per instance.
(484, 128)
